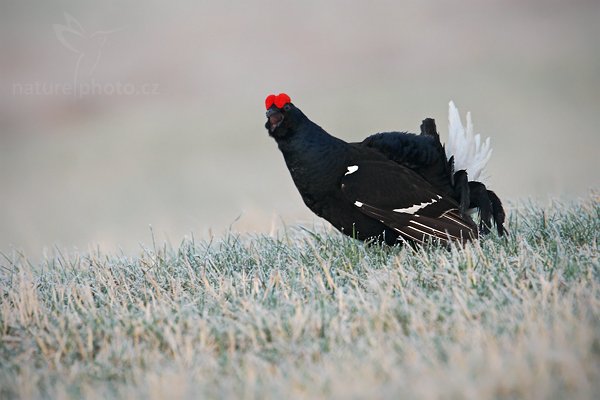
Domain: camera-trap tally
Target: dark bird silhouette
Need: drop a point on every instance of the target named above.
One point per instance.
(391, 187)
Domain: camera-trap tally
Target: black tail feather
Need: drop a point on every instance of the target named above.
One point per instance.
(497, 212)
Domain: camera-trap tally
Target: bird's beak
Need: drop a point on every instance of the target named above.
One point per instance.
(275, 117)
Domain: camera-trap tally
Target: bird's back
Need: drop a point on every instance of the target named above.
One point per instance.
(422, 154)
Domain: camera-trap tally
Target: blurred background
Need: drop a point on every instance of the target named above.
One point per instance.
(118, 115)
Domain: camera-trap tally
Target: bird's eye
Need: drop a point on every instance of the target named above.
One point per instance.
(287, 107)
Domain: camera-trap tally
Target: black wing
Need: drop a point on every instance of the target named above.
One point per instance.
(405, 202)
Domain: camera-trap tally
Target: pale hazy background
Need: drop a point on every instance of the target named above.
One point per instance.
(185, 150)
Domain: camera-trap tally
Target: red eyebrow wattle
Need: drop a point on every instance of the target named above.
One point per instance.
(269, 101)
(280, 100)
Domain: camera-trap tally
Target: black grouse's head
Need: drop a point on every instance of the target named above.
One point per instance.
(282, 115)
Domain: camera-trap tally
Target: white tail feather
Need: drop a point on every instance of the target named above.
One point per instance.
(466, 147)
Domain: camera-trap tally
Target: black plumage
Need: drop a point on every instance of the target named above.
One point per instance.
(392, 186)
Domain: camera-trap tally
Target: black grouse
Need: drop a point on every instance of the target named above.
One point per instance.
(391, 187)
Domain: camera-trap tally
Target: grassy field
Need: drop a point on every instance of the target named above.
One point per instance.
(312, 314)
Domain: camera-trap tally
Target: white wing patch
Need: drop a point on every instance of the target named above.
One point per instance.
(415, 208)
(358, 204)
(352, 169)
